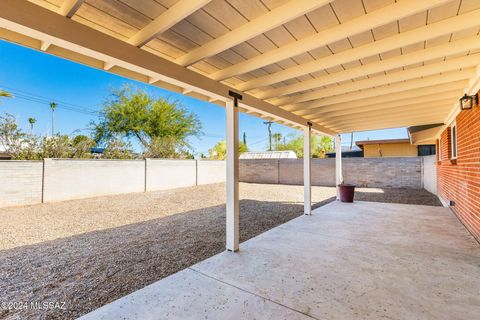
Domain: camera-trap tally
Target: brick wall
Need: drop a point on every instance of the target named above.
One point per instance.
(365, 172)
(459, 180)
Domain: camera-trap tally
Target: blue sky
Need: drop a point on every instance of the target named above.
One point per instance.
(36, 78)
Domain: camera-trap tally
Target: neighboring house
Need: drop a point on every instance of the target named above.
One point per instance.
(388, 148)
(269, 155)
(355, 152)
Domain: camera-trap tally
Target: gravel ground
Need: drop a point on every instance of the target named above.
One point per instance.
(82, 254)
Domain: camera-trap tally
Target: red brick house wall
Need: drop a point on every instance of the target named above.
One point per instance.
(459, 180)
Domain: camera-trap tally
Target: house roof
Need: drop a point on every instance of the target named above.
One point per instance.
(385, 141)
(269, 155)
(342, 65)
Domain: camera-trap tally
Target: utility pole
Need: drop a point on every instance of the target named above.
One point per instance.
(244, 138)
(269, 126)
(351, 141)
(53, 106)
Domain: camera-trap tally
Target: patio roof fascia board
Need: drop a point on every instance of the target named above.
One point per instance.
(390, 78)
(407, 103)
(431, 53)
(352, 27)
(32, 20)
(70, 7)
(278, 16)
(166, 20)
(447, 26)
(465, 74)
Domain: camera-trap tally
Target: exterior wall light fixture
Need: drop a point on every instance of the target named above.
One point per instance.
(468, 102)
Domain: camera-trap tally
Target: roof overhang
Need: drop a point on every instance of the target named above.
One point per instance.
(426, 134)
(417, 77)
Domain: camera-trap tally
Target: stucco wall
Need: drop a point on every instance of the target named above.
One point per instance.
(390, 150)
(169, 174)
(74, 179)
(20, 182)
(430, 173)
(211, 171)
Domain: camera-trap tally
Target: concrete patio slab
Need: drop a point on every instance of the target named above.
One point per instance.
(347, 261)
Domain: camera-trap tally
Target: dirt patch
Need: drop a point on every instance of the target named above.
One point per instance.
(85, 253)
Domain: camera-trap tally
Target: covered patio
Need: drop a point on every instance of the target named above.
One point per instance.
(346, 261)
(324, 67)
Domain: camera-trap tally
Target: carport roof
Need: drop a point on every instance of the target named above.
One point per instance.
(343, 65)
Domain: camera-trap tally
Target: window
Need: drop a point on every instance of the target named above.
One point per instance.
(453, 134)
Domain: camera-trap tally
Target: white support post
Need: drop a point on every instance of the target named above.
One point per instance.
(233, 206)
(338, 163)
(307, 170)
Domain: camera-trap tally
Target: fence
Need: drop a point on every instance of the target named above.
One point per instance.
(30, 182)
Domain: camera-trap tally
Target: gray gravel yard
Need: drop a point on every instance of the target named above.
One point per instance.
(86, 253)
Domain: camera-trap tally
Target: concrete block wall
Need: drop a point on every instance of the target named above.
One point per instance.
(211, 171)
(364, 172)
(167, 174)
(259, 170)
(20, 182)
(66, 179)
(384, 172)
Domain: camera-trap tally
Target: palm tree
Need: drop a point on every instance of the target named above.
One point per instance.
(53, 106)
(32, 122)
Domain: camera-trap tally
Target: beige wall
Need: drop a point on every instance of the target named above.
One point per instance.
(167, 174)
(390, 150)
(65, 179)
(211, 171)
(73, 179)
(20, 182)
(430, 173)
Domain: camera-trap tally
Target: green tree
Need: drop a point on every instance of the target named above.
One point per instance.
(32, 122)
(82, 146)
(57, 146)
(320, 145)
(118, 149)
(219, 151)
(53, 106)
(11, 136)
(277, 137)
(161, 126)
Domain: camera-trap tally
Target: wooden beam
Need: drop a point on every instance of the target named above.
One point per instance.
(166, 20)
(318, 114)
(310, 108)
(434, 107)
(278, 16)
(388, 125)
(70, 7)
(355, 26)
(430, 31)
(440, 51)
(44, 45)
(37, 22)
(398, 87)
(391, 78)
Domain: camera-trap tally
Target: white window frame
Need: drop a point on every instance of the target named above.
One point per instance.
(453, 129)
(439, 151)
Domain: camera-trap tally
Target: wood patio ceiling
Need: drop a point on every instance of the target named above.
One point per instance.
(345, 65)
